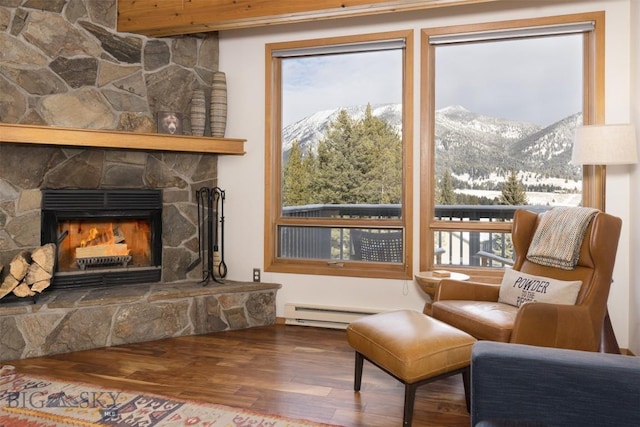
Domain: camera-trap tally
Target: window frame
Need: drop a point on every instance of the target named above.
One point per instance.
(273, 167)
(593, 190)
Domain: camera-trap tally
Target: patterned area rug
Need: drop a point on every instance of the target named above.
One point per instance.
(28, 401)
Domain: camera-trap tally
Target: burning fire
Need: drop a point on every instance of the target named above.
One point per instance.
(102, 243)
(93, 234)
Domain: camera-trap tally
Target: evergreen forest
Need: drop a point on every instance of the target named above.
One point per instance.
(359, 161)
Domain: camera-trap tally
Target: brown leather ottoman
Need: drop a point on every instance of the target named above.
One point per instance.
(413, 348)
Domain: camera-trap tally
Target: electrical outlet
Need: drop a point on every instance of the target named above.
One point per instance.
(256, 274)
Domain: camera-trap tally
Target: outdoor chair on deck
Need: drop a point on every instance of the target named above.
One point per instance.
(376, 246)
(479, 310)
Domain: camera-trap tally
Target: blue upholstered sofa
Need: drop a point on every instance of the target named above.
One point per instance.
(521, 385)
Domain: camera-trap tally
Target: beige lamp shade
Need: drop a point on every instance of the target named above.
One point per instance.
(605, 145)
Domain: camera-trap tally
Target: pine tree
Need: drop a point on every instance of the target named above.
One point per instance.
(445, 195)
(295, 179)
(309, 166)
(513, 192)
(336, 175)
(358, 161)
(380, 161)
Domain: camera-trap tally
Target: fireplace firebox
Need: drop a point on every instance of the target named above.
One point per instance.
(103, 237)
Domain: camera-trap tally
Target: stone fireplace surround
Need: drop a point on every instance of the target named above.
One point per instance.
(65, 64)
(178, 175)
(71, 320)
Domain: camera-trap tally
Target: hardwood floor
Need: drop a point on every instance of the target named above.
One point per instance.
(294, 371)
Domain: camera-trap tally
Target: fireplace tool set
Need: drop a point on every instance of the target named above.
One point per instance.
(211, 234)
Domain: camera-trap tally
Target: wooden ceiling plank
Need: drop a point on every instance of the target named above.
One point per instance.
(173, 17)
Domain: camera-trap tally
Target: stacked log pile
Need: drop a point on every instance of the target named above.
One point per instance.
(29, 272)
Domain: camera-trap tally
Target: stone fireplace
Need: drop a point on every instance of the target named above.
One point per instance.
(66, 65)
(173, 179)
(72, 319)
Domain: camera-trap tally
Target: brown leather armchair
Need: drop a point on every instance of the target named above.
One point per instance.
(474, 308)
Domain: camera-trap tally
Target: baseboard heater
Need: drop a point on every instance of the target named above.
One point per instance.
(323, 316)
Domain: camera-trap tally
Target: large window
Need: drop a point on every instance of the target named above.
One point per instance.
(501, 102)
(338, 181)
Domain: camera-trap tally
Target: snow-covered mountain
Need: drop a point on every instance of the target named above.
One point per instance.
(310, 130)
(484, 146)
(474, 147)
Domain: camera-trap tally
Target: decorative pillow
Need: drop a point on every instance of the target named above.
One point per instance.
(519, 288)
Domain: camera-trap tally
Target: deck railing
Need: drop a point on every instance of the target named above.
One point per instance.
(462, 248)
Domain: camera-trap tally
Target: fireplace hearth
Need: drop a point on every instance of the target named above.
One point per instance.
(104, 237)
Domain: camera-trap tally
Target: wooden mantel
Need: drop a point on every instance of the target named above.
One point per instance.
(174, 17)
(47, 135)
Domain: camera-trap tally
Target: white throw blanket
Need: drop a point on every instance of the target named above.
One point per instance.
(557, 240)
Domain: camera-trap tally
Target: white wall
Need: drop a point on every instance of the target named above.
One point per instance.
(242, 57)
(634, 291)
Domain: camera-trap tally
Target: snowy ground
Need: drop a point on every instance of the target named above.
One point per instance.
(544, 199)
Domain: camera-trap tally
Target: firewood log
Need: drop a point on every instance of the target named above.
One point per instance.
(19, 265)
(40, 286)
(8, 284)
(23, 290)
(35, 274)
(45, 257)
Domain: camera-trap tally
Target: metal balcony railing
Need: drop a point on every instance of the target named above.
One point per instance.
(459, 248)
(474, 248)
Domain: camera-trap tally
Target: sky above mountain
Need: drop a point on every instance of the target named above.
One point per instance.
(537, 81)
(327, 82)
(533, 80)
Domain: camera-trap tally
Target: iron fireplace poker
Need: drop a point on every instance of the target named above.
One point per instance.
(211, 234)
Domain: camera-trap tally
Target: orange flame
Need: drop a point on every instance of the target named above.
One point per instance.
(106, 239)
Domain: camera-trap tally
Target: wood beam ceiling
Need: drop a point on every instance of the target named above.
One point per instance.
(157, 18)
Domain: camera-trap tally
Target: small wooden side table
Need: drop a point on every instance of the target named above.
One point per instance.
(429, 284)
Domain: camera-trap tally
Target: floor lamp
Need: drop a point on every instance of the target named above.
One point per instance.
(601, 145)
